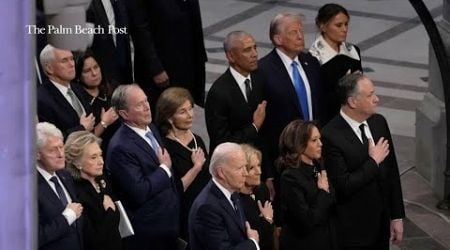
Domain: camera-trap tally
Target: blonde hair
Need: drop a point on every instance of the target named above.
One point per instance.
(74, 149)
(251, 151)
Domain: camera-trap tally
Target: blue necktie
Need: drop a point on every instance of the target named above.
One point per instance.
(153, 141)
(237, 208)
(300, 89)
(59, 190)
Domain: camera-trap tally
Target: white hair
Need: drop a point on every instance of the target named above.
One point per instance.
(222, 154)
(43, 131)
(47, 55)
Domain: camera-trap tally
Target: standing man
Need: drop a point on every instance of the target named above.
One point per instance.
(140, 168)
(234, 108)
(60, 226)
(360, 160)
(169, 47)
(59, 101)
(217, 219)
(111, 48)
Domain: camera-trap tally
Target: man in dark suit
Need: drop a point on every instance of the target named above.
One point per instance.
(216, 219)
(111, 47)
(169, 47)
(59, 101)
(292, 84)
(140, 168)
(234, 108)
(59, 215)
(361, 164)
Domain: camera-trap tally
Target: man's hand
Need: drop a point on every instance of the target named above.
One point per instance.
(396, 231)
(87, 121)
(76, 207)
(251, 234)
(260, 114)
(379, 151)
(161, 80)
(271, 187)
(164, 157)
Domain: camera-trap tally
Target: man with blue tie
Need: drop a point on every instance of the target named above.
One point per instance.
(292, 84)
(140, 168)
(59, 214)
(216, 219)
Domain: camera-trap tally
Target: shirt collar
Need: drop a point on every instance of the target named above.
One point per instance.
(44, 173)
(353, 124)
(63, 89)
(139, 131)
(223, 190)
(323, 51)
(239, 77)
(287, 61)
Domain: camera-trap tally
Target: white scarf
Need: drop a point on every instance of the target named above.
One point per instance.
(323, 51)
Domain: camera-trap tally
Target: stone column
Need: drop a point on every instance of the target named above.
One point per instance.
(17, 97)
(431, 119)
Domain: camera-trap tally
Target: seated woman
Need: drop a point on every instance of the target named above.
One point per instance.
(307, 200)
(336, 56)
(255, 199)
(97, 93)
(174, 117)
(101, 218)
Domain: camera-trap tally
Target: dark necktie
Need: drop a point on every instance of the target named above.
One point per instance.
(238, 208)
(300, 89)
(59, 190)
(153, 141)
(248, 90)
(365, 141)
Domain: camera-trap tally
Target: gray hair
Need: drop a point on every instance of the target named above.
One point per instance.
(119, 96)
(276, 22)
(230, 40)
(47, 55)
(222, 154)
(43, 131)
(348, 86)
(74, 148)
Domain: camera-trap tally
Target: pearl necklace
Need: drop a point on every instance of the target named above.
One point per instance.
(173, 136)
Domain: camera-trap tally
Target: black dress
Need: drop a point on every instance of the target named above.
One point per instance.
(252, 214)
(181, 164)
(97, 103)
(101, 228)
(307, 211)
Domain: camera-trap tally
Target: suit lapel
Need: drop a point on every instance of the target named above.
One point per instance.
(140, 142)
(285, 80)
(226, 205)
(46, 192)
(349, 134)
(60, 99)
(235, 90)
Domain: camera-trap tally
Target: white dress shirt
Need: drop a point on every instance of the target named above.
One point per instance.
(355, 127)
(240, 79)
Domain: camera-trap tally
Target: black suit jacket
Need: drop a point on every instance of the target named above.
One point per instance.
(213, 223)
(228, 115)
(114, 59)
(168, 35)
(282, 102)
(54, 108)
(54, 231)
(368, 196)
(146, 191)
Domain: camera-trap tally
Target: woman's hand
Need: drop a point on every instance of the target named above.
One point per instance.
(109, 116)
(108, 203)
(266, 210)
(198, 158)
(322, 181)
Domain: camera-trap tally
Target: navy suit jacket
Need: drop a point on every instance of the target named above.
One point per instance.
(368, 196)
(54, 108)
(213, 223)
(282, 103)
(228, 115)
(54, 231)
(146, 191)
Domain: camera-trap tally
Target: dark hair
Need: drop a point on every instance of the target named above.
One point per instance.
(327, 12)
(348, 86)
(81, 58)
(293, 142)
(168, 103)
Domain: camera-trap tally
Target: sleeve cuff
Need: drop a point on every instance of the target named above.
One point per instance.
(256, 128)
(256, 243)
(166, 169)
(70, 215)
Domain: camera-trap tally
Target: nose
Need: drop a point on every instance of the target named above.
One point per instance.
(376, 99)
(100, 161)
(60, 152)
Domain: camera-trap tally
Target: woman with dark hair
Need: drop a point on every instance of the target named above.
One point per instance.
(174, 117)
(255, 199)
(101, 217)
(97, 93)
(337, 57)
(307, 199)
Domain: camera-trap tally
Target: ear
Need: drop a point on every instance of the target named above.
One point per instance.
(123, 114)
(352, 101)
(48, 68)
(230, 57)
(38, 156)
(277, 39)
(220, 173)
